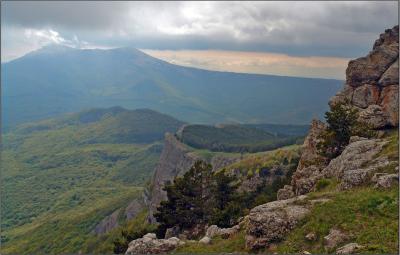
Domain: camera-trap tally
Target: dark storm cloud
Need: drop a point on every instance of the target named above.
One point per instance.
(343, 29)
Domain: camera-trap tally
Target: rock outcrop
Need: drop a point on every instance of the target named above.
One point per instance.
(108, 223)
(349, 248)
(310, 164)
(149, 244)
(176, 158)
(271, 222)
(372, 82)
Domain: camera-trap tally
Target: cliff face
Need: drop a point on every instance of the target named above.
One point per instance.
(372, 82)
(175, 159)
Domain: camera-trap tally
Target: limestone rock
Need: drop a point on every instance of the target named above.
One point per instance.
(391, 76)
(311, 163)
(205, 240)
(375, 116)
(334, 238)
(369, 69)
(365, 95)
(107, 224)
(353, 157)
(285, 193)
(349, 248)
(149, 244)
(372, 83)
(390, 104)
(271, 222)
(311, 236)
(214, 230)
(387, 180)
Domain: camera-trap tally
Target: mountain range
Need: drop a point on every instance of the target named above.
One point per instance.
(58, 79)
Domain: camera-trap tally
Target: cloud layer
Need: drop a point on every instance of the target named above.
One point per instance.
(338, 29)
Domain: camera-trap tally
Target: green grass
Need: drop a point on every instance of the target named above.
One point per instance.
(235, 244)
(367, 215)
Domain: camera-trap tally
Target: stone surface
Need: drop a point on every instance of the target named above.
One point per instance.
(375, 116)
(285, 193)
(133, 208)
(311, 163)
(365, 95)
(107, 224)
(391, 75)
(214, 231)
(334, 238)
(311, 236)
(205, 240)
(149, 244)
(372, 83)
(349, 248)
(353, 157)
(271, 222)
(387, 180)
(390, 104)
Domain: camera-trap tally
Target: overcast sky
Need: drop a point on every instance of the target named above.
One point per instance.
(292, 38)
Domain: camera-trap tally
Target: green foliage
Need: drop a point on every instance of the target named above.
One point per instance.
(342, 124)
(188, 199)
(367, 215)
(63, 176)
(323, 183)
(233, 138)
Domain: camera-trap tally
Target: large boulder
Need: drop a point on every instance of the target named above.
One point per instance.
(270, 222)
(149, 244)
(373, 80)
(354, 156)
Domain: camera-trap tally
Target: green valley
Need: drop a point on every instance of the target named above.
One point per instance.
(62, 176)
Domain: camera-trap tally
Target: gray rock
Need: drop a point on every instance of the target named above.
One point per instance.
(353, 157)
(285, 193)
(349, 248)
(387, 181)
(172, 232)
(311, 162)
(390, 104)
(205, 240)
(149, 244)
(271, 222)
(214, 231)
(374, 116)
(356, 139)
(391, 75)
(107, 224)
(365, 95)
(334, 238)
(311, 236)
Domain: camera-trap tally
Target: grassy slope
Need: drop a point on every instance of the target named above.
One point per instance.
(369, 216)
(62, 176)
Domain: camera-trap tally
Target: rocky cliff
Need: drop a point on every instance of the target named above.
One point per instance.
(176, 158)
(372, 82)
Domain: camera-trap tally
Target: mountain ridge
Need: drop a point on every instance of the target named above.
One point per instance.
(73, 79)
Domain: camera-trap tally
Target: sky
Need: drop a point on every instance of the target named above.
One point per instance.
(310, 39)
